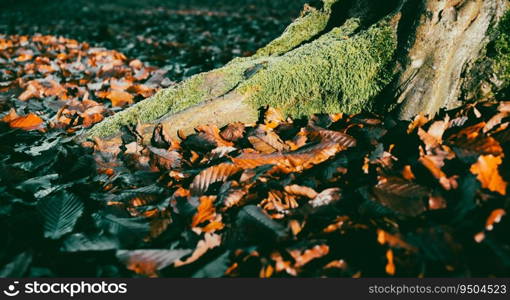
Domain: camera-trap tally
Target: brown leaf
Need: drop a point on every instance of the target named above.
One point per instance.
(401, 196)
(120, 84)
(486, 169)
(343, 139)
(233, 132)
(33, 90)
(211, 175)
(234, 197)
(294, 161)
(213, 132)
(266, 140)
(279, 203)
(136, 64)
(472, 141)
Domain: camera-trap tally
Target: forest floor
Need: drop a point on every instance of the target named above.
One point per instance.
(327, 195)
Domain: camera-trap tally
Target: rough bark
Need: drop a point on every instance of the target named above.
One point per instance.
(413, 56)
(448, 40)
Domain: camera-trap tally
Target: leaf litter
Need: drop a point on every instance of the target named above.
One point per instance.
(329, 195)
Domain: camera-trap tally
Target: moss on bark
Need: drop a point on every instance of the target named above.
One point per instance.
(502, 48)
(340, 71)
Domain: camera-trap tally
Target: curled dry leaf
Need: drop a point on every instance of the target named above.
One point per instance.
(210, 241)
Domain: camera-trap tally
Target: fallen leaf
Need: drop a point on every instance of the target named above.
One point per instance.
(486, 169)
(28, 122)
(119, 98)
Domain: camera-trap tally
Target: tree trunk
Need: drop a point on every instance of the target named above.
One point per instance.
(411, 56)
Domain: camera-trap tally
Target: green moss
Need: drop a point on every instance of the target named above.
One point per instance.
(339, 72)
(196, 89)
(502, 47)
(311, 22)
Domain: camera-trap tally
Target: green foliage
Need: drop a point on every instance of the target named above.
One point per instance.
(60, 212)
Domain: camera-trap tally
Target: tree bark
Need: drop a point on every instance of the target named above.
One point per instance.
(410, 56)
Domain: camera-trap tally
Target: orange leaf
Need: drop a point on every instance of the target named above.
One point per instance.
(31, 92)
(390, 266)
(294, 161)
(407, 173)
(299, 190)
(302, 258)
(120, 84)
(24, 57)
(273, 117)
(119, 98)
(495, 217)
(487, 173)
(205, 211)
(12, 115)
(28, 122)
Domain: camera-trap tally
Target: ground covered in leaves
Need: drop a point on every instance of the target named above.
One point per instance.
(330, 195)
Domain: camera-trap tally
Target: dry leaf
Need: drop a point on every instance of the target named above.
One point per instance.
(28, 122)
(211, 175)
(487, 173)
(210, 241)
(119, 98)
